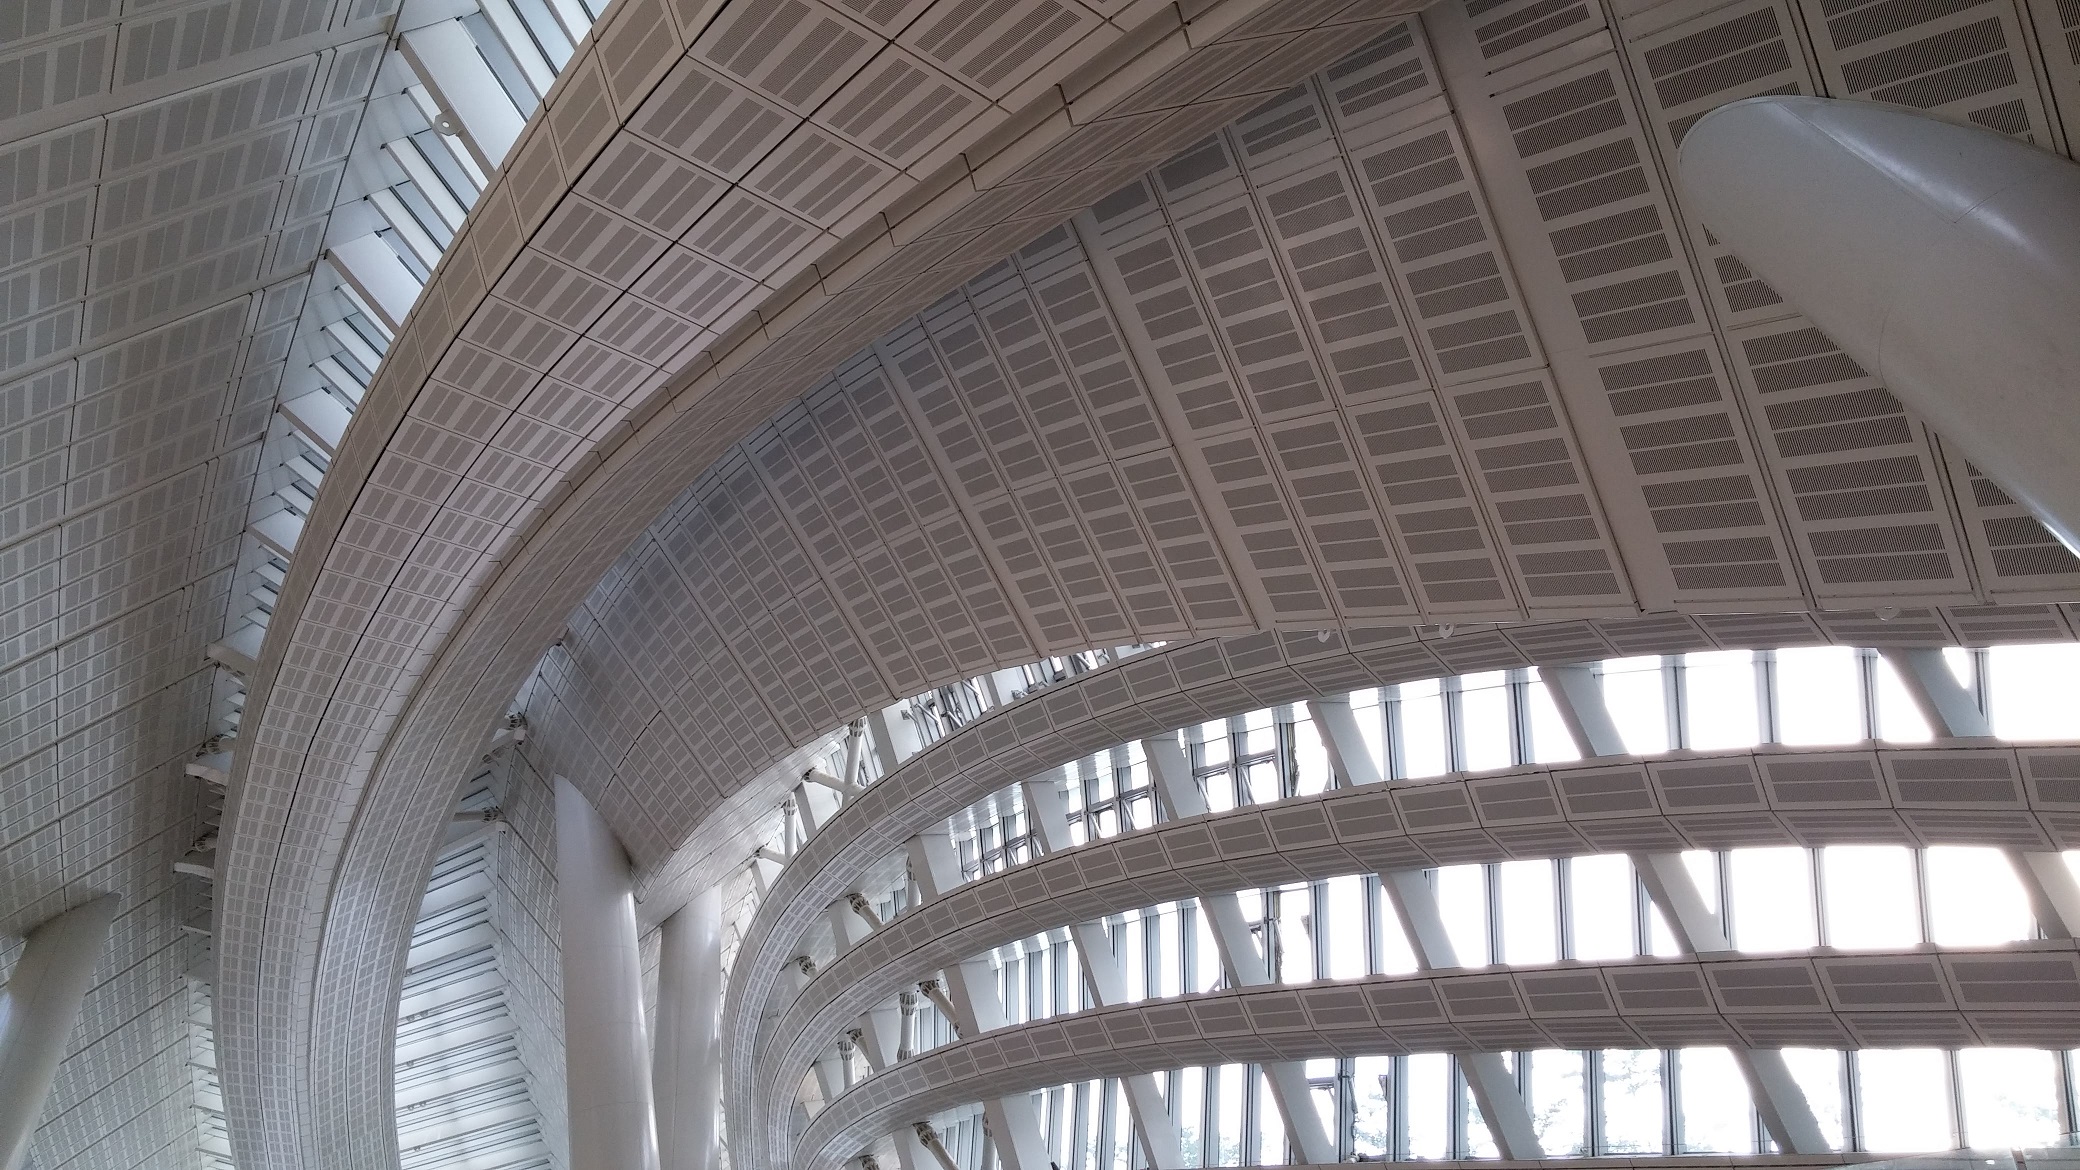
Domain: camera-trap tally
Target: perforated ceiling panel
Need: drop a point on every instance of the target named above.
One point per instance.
(166, 179)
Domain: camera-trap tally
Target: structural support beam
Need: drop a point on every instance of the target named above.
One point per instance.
(1943, 258)
(971, 999)
(1781, 1103)
(606, 1049)
(1241, 961)
(38, 1010)
(688, 1062)
(1951, 711)
(1578, 697)
(1349, 757)
(1153, 1122)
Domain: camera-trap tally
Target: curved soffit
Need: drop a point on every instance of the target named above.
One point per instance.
(537, 411)
(2022, 994)
(1161, 690)
(2007, 797)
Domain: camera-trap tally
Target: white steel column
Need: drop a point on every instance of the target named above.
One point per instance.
(1953, 712)
(606, 1048)
(971, 994)
(1245, 966)
(1943, 258)
(38, 1010)
(688, 1065)
(1778, 1099)
(1153, 1121)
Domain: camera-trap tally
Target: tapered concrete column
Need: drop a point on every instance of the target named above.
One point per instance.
(1944, 259)
(605, 1043)
(688, 1067)
(38, 1011)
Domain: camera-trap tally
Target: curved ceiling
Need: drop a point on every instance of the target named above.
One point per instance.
(468, 522)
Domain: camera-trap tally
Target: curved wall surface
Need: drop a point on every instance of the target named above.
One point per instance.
(538, 410)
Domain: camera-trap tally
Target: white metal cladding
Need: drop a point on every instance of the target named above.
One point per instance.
(2025, 990)
(469, 499)
(2003, 796)
(1159, 691)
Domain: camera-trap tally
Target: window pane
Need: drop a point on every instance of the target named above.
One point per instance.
(1559, 1110)
(1600, 901)
(1228, 1114)
(1422, 730)
(1271, 1127)
(1974, 898)
(1772, 899)
(1632, 1105)
(1190, 1108)
(1529, 926)
(1903, 1098)
(1295, 941)
(1638, 702)
(2030, 691)
(1899, 720)
(1719, 694)
(1818, 1072)
(1819, 696)
(1462, 899)
(1550, 742)
(1429, 1105)
(1869, 892)
(1371, 1086)
(2010, 1096)
(1480, 1142)
(1714, 1100)
(1395, 956)
(1309, 758)
(1484, 720)
(1345, 899)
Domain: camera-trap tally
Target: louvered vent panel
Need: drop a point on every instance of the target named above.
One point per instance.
(1102, 505)
(921, 380)
(794, 52)
(56, 73)
(899, 107)
(49, 165)
(1744, 50)
(1051, 519)
(200, 35)
(1860, 478)
(958, 335)
(1248, 301)
(1551, 526)
(1342, 284)
(2015, 553)
(1166, 505)
(1081, 322)
(995, 45)
(2058, 33)
(1443, 248)
(202, 118)
(1698, 473)
(752, 236)
(1140, 247)
(1960, 58)
(1253, 506)
(1412, 457)
(1292, 124)
(1518, 30)
(40, 231)
(1342, 520)
(1028, 358)
(1586, 158)
(1391, 73)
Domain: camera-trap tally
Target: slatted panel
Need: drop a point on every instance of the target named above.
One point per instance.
(2016, 555)
(1961, 59)
(1698, 473)
(1589, 166)
(1412, 457)
(1508, 31)
(2057, 26)
(1857, 475)
(1392, 73)
(1551, 525)
(1442, 247)
(1743, 50)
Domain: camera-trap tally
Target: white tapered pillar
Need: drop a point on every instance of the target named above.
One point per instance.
(38, 1011)
(688, 1063)
(606, 1045)
(1945, 259)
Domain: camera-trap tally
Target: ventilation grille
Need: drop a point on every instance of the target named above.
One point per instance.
(1526, 458)
(2014, 550)
(1518, 30)
(1689, 451)
(1957, 58)
(1742, 51)
(207, 33)
(56, 73)
(1589, 167)
(1442, 247)
(1390, 74)
(1866, 504)
(794, 52)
